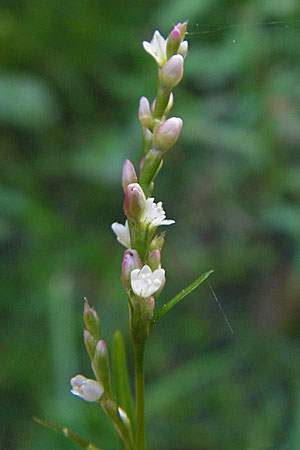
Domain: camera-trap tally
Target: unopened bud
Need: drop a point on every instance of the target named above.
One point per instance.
(91, 320)
(147, 140)
(131, 261)
(173, 42)
(172, 72)
(89, 390)
(144, 114)
(101, 366)
(134, 202)
(150, 166)
(154, 260)
(157, 243)
(90, 343)
(182, 28)
(167, 133)
(128, 174)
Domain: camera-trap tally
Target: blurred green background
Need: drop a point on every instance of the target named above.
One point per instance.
(71, 76)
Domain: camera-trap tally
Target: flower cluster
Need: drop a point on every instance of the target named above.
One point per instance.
(142, 276)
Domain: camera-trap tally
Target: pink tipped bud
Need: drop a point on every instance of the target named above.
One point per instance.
(128, 174)
(134, 202)
(91, 320)
(144, 114)
(154, 260)
(171, 72)
(181, 27)
(167, 133)
(173, 42)
(131, 261)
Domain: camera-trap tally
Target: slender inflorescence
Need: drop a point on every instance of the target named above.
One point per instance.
(142, 275)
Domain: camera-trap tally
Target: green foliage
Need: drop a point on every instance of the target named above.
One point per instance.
(180, 296)
(68, 435)
(120, 376)
(70, 80)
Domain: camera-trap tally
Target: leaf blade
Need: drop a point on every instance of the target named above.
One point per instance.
(120, 377)
(178, 297)
(67, 434)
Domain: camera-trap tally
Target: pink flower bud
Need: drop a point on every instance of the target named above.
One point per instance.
(131, 261)
(128, 174)
(144, 114)
(134, 202)
(167, 133)
(172, 72)
(181, 27)
(173, 42)
(154, 260)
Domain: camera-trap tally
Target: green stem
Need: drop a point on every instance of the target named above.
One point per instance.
(140, 443)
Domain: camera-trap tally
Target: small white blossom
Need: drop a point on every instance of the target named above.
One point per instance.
(155, 214)
(145, 283)
(122, 233)
(89, 390)
(157, 48)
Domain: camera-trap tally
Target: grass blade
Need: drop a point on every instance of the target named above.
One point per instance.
(67, 434)
(171, 303)
(120, 377)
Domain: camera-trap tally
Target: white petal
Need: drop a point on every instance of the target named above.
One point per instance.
(89, 390)
(122, 233)
(159, 44)
(159, 275)
(183, 48)
(145, 271)
(92, 391)
(167, 222)
(149, 49)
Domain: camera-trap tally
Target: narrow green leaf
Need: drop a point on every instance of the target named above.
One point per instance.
(171, 303)
(120, 377)
(67, 434)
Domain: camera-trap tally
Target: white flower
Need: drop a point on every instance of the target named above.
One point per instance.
(145, 283)
(122, 233)
(157, 48)
(89, 390)
(155, 214)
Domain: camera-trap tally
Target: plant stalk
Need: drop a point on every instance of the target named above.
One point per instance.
(140, 441)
